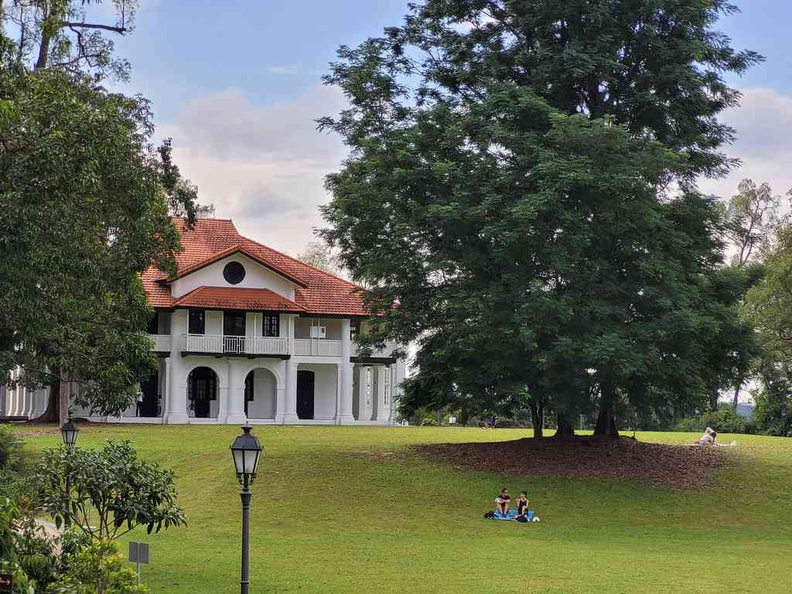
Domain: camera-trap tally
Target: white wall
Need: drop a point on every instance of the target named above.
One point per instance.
(256, 277)
(303, 327)
(264, 395)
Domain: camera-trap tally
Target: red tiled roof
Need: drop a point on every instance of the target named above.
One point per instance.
(321, 293)
(237, 298)
(237, 249)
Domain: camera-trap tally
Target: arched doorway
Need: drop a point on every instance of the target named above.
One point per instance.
(151, 396)
(202, 393)
(261, 394)
(305, 394)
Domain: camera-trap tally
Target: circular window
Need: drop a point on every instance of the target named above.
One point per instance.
(234, 273)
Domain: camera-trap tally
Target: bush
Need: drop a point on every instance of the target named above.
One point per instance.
(725, 420)
(99, 567)
(10, 450)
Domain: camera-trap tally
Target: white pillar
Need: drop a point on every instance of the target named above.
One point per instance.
(400, 369)
(290, 406)
(176, 396)
(346, 367)
(381, 408)
(280, 394)
(235, 406)
(392, 396)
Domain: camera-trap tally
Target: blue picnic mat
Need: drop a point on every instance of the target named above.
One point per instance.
(511, 515)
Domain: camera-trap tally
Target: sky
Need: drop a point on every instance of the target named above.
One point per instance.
(237, 85)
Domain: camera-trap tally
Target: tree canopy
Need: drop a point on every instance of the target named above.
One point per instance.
(509, 188)
(85, 203)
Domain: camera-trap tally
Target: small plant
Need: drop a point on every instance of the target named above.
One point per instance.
(97, 568)
(10, 450)
(107, 492)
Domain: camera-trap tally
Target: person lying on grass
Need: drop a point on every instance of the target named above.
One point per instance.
(522, 506)
(502, 501)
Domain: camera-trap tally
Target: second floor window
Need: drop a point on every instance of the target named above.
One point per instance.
(153, 324)
(197, 321)
(271, 325)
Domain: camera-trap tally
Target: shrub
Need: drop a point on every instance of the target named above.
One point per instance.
(10, 450)
(725, 420)
(99, 567)
(106, 492)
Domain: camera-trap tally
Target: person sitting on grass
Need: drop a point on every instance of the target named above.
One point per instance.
(502, 501)
(708, 438)
(522, 507)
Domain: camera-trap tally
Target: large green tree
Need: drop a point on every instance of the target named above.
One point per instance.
(85, 203)
(507, 189)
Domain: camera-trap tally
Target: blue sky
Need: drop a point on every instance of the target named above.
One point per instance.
(238, 88)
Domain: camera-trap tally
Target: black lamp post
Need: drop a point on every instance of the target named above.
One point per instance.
(69, 433)
(246, 451)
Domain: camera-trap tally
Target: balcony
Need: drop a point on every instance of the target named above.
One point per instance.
(160, 343)
(234, 345)
(317, 347)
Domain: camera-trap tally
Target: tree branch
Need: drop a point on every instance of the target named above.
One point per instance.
(119, 30)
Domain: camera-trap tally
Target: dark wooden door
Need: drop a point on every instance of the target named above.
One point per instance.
(150, 389)
(305, 394)
(203, 386)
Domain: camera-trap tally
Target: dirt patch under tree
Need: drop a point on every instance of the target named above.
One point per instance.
(679, 466)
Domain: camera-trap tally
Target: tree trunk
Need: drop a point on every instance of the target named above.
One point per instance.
(736, 399)
(565, 427)
(606, 420)
(537, 419)
(52, 414)
(714, 400)
(63, 400)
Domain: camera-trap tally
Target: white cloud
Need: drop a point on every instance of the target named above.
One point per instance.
(262, 166)
(764, 142)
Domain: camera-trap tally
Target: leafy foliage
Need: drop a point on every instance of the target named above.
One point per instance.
(99, 567)
(84, 209)
(106, 492)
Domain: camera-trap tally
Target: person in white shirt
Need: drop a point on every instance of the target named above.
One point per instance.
(708, 438)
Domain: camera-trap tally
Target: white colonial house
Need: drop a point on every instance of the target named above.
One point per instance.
(243, 332)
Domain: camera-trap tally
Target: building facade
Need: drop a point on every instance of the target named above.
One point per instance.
(245, 333)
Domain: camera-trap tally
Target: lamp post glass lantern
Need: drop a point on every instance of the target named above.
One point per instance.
(246, 453)
(69, 433)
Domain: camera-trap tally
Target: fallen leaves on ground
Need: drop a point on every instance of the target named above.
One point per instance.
(678, 466)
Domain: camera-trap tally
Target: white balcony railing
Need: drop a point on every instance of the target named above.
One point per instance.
(317, 347)
(246, 345)
(160, 343)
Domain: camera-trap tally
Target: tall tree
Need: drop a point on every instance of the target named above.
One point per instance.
(505, 189)
(84, 209)
(63, 34)
(751, 215)
(320, 255)
(769, 305)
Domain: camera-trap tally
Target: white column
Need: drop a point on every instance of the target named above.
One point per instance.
(290, 406)
(400, 369)
(346, 367)
(235, 407)
(176, 399)
(380, 406)
(280, 394)
(392, 396)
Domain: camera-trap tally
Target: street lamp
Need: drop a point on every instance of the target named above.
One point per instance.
(69, 433)
(246, 452)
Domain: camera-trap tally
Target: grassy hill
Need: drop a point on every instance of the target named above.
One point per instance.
(339, 509)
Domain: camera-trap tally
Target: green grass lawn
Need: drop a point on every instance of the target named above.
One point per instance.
(346, 509)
